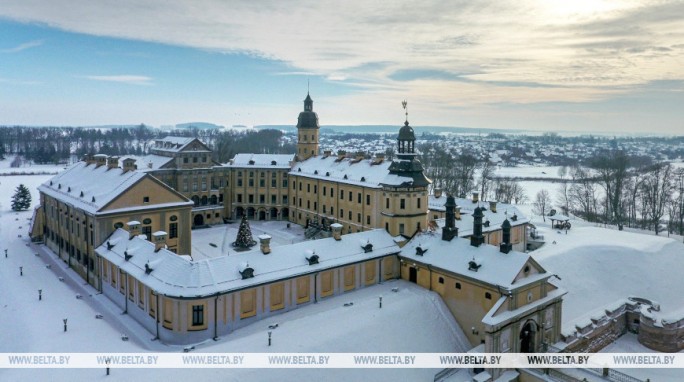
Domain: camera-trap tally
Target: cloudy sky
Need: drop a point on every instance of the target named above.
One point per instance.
(551, 65)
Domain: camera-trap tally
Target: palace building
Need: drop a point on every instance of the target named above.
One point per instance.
(80, 207)
(503, 299)
(359, 193)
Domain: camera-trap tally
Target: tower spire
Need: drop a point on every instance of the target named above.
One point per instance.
(404, 105)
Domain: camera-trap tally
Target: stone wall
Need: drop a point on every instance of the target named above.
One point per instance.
(661, 334)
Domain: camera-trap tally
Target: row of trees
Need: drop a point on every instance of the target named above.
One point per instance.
(56, 144)
(612, 188)
(458, 172)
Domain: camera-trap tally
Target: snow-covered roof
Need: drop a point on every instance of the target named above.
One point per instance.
(88, 187)
(364, 172)
(495, 268)
(149, 162)
(172, 143)
(174, 276)
(465, 224)
(262, 160)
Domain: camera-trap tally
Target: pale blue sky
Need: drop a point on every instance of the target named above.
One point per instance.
(585, 65)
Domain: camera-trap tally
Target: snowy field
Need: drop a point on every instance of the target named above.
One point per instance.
(411, 320)
(28, 168)
(599, 266)
(216, 241)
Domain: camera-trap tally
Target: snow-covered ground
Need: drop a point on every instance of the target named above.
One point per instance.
(599, 266)
(411, 320)
(27, 167)
(217, 241)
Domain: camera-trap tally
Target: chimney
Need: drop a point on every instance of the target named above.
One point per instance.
(506, 245)
(457, 212)
(159, 239)
(265, 244)
(129, 164)
(476, 197)
(450, 230)
(100, 160)
(336, 231)
(133, 229)
(492, 206)
(341, 154)
(438, 194)
(476, 239)
(112, 162)
(380, 155)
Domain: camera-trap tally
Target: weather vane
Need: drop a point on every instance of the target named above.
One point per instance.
(403, 104)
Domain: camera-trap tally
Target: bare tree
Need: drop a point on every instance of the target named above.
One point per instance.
(486, 178)
(611, 167)
(657, 191)
(542, 202)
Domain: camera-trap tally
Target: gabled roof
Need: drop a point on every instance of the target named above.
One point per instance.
(92, 188)
(262, 160)
(364, 172)
(88, 187)
(496, 269)
(173, 275)
(177, 144)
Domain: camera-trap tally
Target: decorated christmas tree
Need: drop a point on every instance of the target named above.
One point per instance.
(244, 238)
(22, 199)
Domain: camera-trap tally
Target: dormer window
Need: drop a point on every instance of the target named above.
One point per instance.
(251, 162)
(146, 199)
(273, 163)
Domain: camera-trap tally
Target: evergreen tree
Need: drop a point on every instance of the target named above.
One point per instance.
(244, 238)
(22, 199)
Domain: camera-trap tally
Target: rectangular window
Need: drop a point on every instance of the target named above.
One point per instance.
(251, 182)
(350, 196)
(262, 183)
(197, 315)
(324, 208)
(284, 199)
(368, 200)
(350, 215)
(273, 199)
(146, 199)
(341, 213)
(250, 198)
(358, 199)
(300, 186)
(239, 198)
(324, 190)
(387, 203)
(308, 188)
(315, 206)
(239, 182)
(341, 194)
(402, 204)
(401, 229)
(358, 218)
(300, 202)
(262, 198)
(285, 183)
(419, 202)
(173, 230)
(147, 231)
(308, 204)
(273, 183)
(368, 219)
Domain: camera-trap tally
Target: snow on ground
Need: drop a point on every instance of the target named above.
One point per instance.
(599, 266)
(628, 343)
(528, 172)
(28, 168)
(216, 241)
(411, 320)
